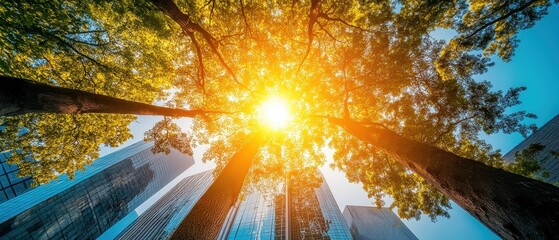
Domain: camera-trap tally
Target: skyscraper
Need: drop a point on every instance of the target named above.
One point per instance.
(163, 217)
(547, 135)
(370, 223)
(10, 184)
(96, 199)
(255, 217)
(306, 211)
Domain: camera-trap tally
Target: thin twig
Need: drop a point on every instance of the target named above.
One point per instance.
(502, 18)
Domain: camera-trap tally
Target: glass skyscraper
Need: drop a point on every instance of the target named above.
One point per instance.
(306, 211)
(253, 218)
(85, 207)
(371, 223)
(337, 226)
(10, 184)
(164, 216)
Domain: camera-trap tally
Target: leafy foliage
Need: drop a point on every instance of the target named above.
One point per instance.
(49, 145)
(529, 162)
(166, 134)
(492, 26)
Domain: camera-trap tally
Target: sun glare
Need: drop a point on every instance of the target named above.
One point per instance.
(274, 113)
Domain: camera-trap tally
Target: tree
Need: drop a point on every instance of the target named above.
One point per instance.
(166, 134)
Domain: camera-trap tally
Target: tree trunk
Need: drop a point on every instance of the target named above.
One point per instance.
(513, 206)
(172, 10)
(21, 96)
(208, 214)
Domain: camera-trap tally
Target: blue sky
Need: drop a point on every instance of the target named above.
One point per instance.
(535, 65)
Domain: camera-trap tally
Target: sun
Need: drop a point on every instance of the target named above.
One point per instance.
(274, 112)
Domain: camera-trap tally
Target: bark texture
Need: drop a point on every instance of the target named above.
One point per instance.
(20, 96)
(513, 206)
(208, 214)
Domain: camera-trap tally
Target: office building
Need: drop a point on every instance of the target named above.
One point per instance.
(370, 223)
(161, 219)
(10, 184)
(253, 218)
(547, 135)
(96, 199)
(307, 211)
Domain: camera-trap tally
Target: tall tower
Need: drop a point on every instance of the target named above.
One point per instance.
(370, 223)
(258, 216)
(313, 212)
(307, 210)
(85, 207)
(547, 135)
(164, 216)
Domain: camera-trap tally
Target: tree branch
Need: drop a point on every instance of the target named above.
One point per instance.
(172, 10)
(449, 129)
(202, 69)
(519, 9)
(88, 43)
(313, 18)
(247, 26)
(327, 17)
(46, 34)
(328, 32)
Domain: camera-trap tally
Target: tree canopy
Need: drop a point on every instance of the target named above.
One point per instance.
(372, 61)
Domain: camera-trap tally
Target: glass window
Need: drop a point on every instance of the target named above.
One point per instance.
(3, 196)
(5, 167)
(20, 188)
(13, 177)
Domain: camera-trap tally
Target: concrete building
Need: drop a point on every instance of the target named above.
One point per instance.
(370, 223)
(547, 135)
(96, 199)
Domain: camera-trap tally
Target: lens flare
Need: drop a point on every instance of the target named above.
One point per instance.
(274, 113)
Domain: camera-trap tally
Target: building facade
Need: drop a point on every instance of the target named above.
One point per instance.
(305, 211)
(96, 199)
(161, 219)
(370, 223)
(10, 184)
(255, 217)
(547, 135)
